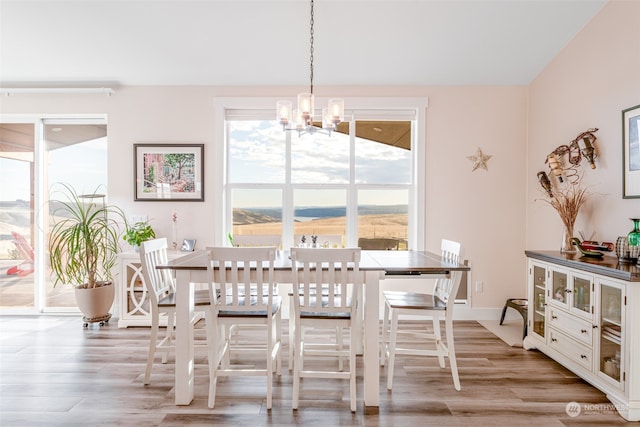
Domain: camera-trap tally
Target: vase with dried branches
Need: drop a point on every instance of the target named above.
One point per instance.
(567, 201)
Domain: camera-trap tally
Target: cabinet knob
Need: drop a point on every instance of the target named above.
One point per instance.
(584, 331)
(554, 317)
(583, 356)
(554, 340)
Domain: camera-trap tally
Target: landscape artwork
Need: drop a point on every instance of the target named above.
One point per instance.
(169, 172)
(631, 152)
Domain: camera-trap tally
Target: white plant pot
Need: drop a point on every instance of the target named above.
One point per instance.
(95, 303)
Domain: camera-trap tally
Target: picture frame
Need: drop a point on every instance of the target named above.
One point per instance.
(631, 153)
(168, 172)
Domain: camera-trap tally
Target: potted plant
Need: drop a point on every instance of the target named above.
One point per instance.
(83, 248)
(138, 233)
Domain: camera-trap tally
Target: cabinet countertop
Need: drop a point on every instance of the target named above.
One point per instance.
(606, 266)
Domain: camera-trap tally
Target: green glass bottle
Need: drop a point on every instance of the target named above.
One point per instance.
(634, 235)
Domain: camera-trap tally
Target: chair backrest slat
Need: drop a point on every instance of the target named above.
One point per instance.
(446, 289)
(326, 280)
(158, 283)
(243, 277)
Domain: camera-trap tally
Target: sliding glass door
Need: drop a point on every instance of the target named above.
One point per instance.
(35, 154)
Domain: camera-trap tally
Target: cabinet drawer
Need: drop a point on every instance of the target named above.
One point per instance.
(576, 328)
(571, 348)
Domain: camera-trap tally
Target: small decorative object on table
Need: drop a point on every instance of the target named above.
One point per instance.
(188, 245)
(137, 233)
(586, 252)
(634, 235)
(622, 248)
(174, 230)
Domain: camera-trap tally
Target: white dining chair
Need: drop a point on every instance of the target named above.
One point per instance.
(435, 306)
(337, 273)
(160, 289)
(256, 240)
(242, 280)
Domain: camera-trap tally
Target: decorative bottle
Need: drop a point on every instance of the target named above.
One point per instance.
(634, 235)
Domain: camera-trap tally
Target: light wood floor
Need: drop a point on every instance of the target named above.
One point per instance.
(55, 373)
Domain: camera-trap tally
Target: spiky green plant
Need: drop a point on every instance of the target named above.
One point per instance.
(83, 245)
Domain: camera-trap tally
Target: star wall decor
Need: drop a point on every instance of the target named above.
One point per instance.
(479, 160)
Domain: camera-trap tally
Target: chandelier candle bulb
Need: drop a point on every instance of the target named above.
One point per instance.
(284, 112)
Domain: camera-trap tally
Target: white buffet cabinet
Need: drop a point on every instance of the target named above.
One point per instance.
(133, 307)
(585, 313)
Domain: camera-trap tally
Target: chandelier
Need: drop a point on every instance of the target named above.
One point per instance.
(301, 119)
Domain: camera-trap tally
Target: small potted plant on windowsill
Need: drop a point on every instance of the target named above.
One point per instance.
(138, 233)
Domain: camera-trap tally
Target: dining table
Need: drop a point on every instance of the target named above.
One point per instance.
(375, 266)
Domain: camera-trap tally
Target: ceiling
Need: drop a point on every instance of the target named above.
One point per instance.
(266, 42)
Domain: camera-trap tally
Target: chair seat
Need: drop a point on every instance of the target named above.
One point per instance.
(415, 300)
(276, 304)
(201, 298)
(315, 315)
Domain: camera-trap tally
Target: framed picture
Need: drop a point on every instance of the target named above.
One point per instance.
(631, 153)
(168, 172)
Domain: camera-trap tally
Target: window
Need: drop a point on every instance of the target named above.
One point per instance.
(361, 186)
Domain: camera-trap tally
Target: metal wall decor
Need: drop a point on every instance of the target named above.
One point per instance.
(479, 160)
(581, 147)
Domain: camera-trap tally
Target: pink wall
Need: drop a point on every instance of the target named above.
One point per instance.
(493, 213)
(587, 85)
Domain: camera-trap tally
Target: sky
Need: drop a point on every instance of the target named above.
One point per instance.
(257, 150)
(84, 166)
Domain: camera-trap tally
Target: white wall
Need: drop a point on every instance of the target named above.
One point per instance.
(587, 85)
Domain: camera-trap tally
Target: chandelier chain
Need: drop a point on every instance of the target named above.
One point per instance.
(311, 48)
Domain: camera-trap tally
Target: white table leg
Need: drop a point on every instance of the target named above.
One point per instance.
(184, 369)
(371, 339)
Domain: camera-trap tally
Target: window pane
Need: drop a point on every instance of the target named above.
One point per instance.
(78, 157)
(319, 158)
(383, 152)
(383, 219)
(17, 214)
(256, 151)
(256, 211)
(321, 213)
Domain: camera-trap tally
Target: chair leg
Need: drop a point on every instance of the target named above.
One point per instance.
(352, 368)
(296, 367)
(340, 347)
(504, 311)
(170, 326)
(438, 339)
(212, 358)
(452, 355)
(153, 340)
(270, 361)
(392, 348)
(291, 333)
(384, 342)
(278, 327)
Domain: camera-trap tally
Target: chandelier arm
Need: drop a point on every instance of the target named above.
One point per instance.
(301, 119)
(311, 50)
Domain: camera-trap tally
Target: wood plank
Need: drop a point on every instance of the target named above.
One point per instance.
(54, 372)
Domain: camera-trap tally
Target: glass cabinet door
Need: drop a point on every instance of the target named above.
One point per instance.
(611, 332)
(559, 289)
(539, 274)
(581, 294)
